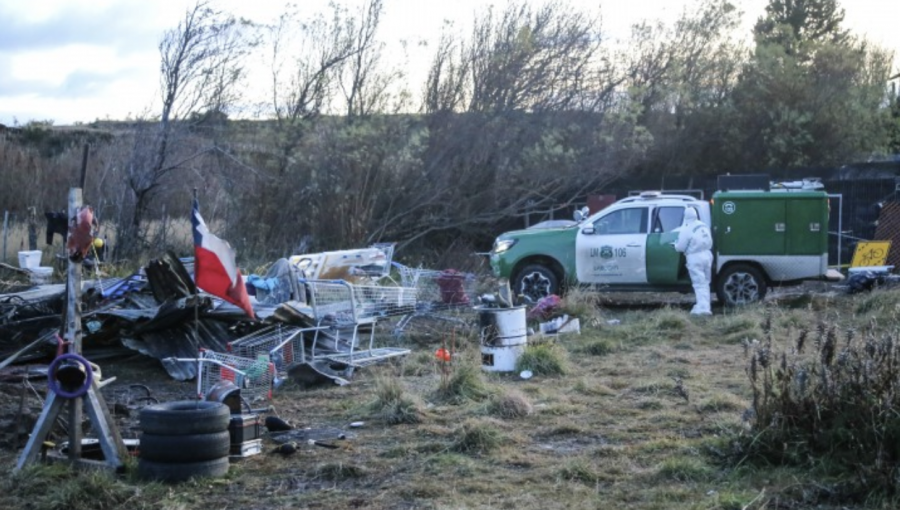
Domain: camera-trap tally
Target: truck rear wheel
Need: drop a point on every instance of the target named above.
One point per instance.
(535, 282)
(740, 284)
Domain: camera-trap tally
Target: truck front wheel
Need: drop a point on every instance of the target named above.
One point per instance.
(740, 284)
(535, 282)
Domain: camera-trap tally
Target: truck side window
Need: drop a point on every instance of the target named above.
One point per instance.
(667, 219)
(623, 221)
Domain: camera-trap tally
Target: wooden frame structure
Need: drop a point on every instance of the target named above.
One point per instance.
(92, 401)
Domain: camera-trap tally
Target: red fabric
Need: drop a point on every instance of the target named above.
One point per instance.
(211, 276)
(450, 282)
(215, 269)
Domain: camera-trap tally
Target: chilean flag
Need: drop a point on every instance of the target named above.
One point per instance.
(215, 268)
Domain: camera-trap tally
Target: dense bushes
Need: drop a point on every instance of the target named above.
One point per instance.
(829, 400)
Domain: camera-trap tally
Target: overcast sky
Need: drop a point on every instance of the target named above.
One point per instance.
(80, 60)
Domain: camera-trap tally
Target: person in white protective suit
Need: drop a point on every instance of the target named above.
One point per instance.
(695, 241)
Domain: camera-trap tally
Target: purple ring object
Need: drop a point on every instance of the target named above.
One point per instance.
(53, 384)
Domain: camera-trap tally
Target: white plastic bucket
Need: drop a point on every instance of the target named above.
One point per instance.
(30, 259)
(503, 337)
(41, 275)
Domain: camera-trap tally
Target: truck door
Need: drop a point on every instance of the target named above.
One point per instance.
(611, 249)
(665, 266)
(750, 223)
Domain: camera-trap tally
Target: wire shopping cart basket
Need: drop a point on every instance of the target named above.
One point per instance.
(283, 343)
(342, 311)
(253, 376)
(443, 295)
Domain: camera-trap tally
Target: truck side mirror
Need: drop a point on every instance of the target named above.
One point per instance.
(581, 214)
(588, 231)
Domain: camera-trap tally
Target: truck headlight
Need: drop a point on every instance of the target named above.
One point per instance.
(502, 246)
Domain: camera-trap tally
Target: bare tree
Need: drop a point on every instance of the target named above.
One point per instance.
(365, 84)
(201, 66)
(521, 115)
(445, 90)
(307, 59)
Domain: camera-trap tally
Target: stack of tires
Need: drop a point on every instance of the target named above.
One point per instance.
(184, 439)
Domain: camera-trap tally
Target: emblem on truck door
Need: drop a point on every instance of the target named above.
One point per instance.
(728, 207)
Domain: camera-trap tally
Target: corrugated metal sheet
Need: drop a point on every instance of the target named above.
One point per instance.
(183, 341)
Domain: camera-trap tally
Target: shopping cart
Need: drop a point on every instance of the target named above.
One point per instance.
(284, 344)
(441, 295)
(342, 311)
(254, 377)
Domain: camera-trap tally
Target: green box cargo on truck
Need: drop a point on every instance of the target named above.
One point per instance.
(761, 238)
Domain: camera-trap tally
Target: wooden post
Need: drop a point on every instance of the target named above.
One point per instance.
(110, 440)
(73, 328)
(84, 160)
(32, 228)
(5, 231)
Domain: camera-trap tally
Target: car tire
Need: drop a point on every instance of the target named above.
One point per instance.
(740, 284)
(186, 448)
(185, 417)
(181, 471)
(535, 281)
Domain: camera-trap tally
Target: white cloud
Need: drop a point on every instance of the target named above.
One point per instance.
(78, 60)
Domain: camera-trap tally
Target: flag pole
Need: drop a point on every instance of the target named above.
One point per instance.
(197, 289)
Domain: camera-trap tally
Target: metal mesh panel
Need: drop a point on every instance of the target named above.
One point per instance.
(889, 230)
(282, 343)
(441, 296)
(254, 377)
(439, 290)
(339, 302)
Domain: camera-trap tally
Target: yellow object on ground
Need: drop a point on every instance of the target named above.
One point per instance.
(870, 253)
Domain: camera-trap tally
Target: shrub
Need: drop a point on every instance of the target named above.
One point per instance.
(543, 359)
(828, 399)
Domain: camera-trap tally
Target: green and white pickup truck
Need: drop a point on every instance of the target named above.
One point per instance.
(761, 239)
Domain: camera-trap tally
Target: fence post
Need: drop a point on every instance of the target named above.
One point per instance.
(32, 228)
(5, 232)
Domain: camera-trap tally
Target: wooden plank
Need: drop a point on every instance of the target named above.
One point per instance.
(52, 407)
(110, 440)
(13, 357)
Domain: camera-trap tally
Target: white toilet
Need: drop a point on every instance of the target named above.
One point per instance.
(31, 261)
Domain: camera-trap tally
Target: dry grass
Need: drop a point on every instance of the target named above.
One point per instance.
(614, 431)
(510, 405)
(393, 404)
